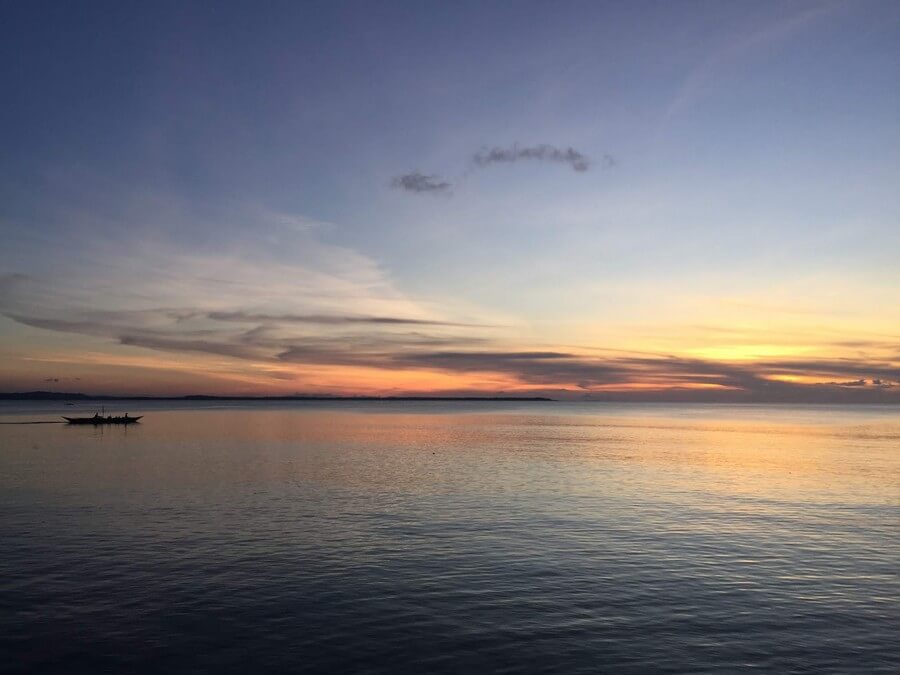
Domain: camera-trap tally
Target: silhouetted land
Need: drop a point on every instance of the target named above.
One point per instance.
(62, 396)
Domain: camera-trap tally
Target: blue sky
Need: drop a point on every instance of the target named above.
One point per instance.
(739, 207)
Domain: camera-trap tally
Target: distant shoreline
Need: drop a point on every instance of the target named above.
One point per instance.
(62, 396)
(73, 397)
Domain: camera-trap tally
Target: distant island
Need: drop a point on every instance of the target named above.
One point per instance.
(63, 396)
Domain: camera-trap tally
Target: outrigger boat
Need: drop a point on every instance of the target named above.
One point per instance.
(101, 419)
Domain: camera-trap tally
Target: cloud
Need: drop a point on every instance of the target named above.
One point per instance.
(736, 47)
(530, 367)
(421, 183)
(667, 375)
(169, 344)
(834, 367)
(258, 262)
(329, 319)
(331, 330)
(336, 342)
(278, 299)
(543, 152)
(851, 383)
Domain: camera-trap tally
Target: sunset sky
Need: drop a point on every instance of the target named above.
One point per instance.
(610, 200)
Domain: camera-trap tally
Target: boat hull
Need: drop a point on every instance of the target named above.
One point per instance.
(97, 421)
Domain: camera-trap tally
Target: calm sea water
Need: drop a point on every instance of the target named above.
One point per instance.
(452, 537)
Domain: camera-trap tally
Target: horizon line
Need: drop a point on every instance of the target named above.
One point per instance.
(42, 395)
(62, 396)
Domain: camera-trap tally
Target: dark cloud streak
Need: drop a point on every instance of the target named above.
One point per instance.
(542, 152)
(329, 319)
(266, 339)
(170, 344)
(421, 183)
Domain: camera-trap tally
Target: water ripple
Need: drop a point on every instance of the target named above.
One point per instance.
(381, 543)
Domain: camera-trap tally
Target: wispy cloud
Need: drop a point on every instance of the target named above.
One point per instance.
(330, 319)
(543, 153)
(260, 263)
(385, 345)
(831, 367)
(178, 344)
(321, 322)
(669, 376)
(277, 298)
(737, 47)
(421, 183)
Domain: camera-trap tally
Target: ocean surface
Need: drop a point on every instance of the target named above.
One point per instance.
(389, 537)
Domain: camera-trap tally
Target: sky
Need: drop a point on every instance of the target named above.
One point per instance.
(671, 201)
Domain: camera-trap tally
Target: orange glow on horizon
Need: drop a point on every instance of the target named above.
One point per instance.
(104, 367)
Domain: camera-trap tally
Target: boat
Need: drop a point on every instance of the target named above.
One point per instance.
(101, 419)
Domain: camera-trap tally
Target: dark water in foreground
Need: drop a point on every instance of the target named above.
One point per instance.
(452, 537)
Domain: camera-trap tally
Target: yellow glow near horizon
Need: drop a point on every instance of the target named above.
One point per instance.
(641, 359)
(748, 352)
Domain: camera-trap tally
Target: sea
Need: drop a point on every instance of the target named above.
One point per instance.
(450, 537)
